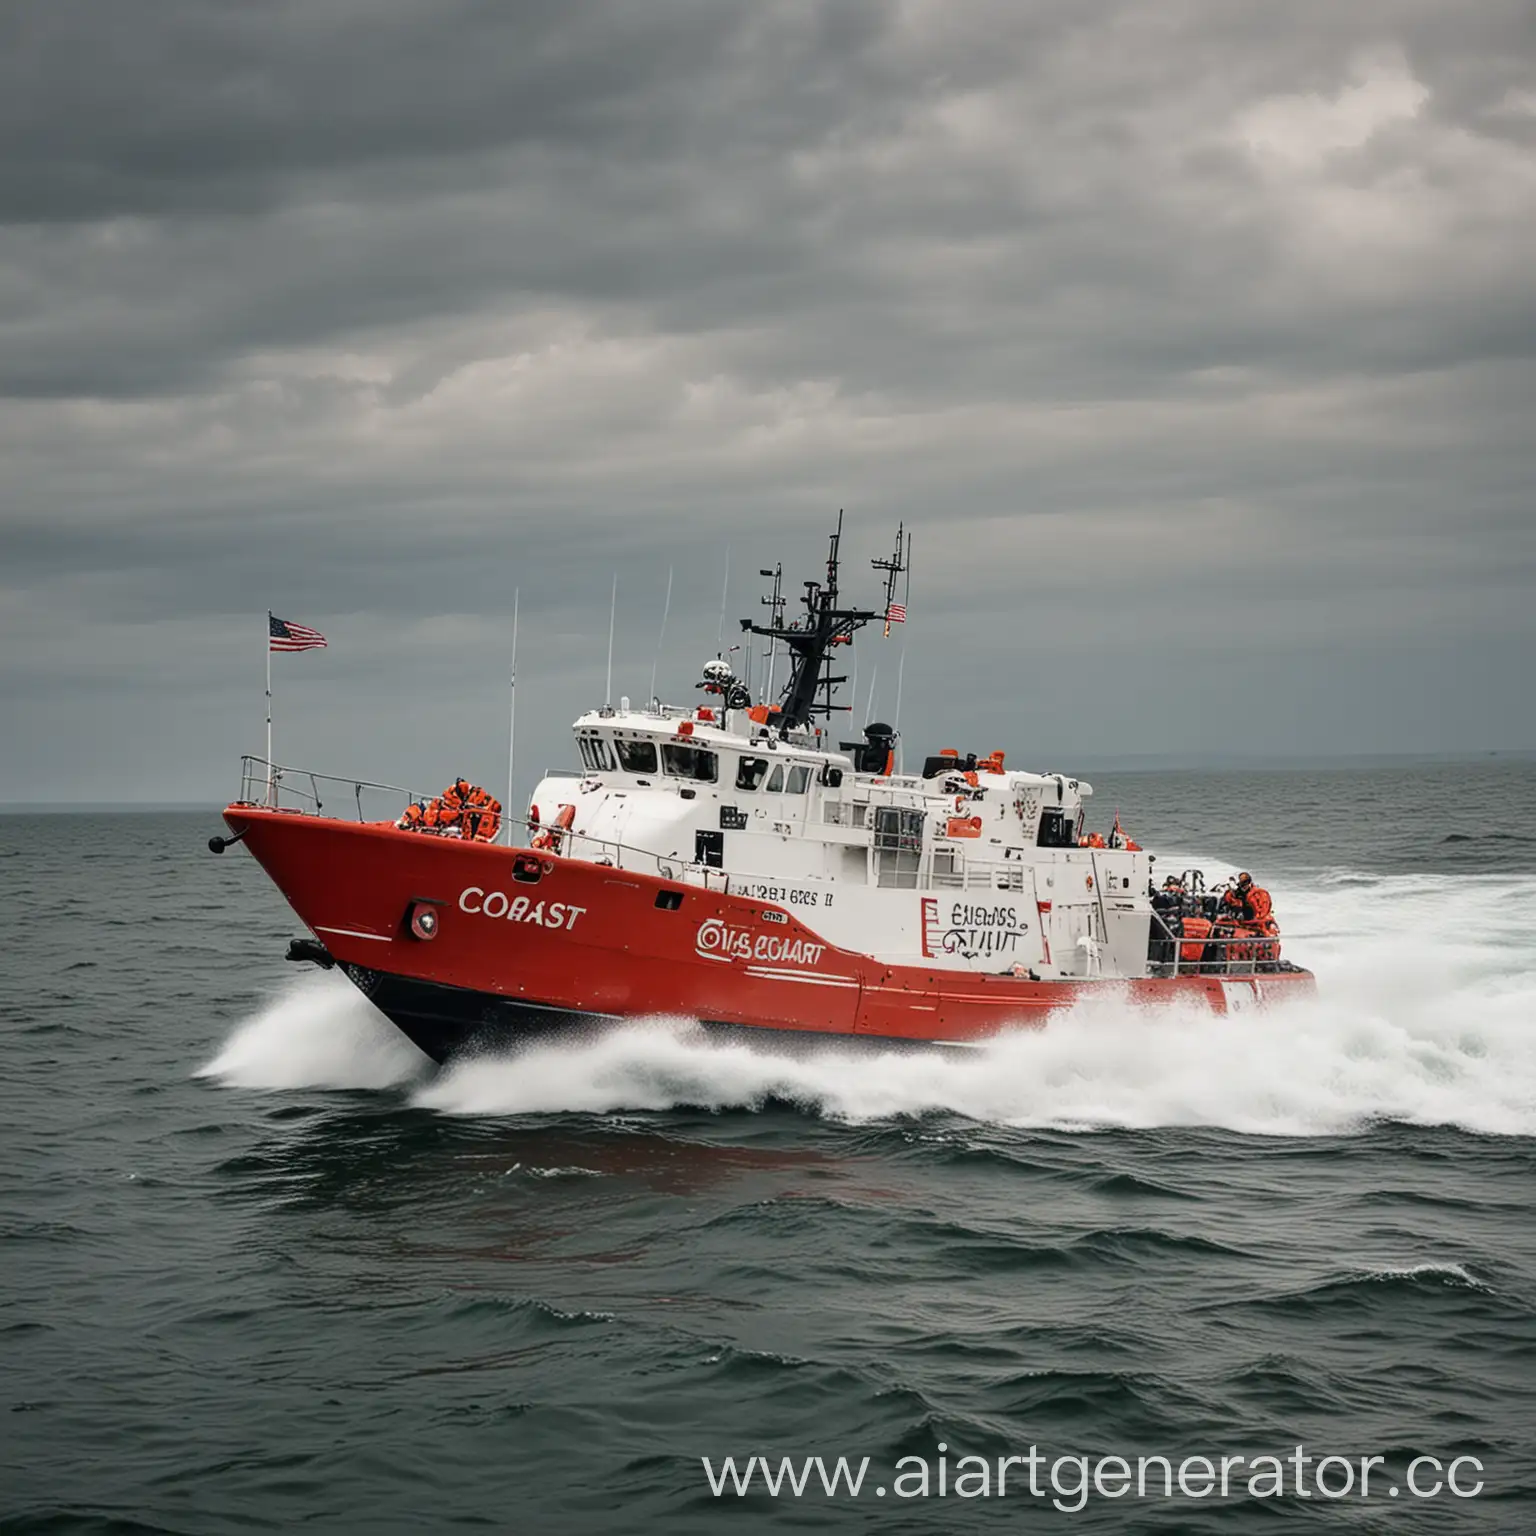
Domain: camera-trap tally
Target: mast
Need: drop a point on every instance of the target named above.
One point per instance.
(892, 568)
(811, 639)
(775, 607)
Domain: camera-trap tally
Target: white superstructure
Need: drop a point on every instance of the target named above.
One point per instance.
(968, 866)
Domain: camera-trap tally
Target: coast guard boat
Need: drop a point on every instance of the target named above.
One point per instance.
(728, 861)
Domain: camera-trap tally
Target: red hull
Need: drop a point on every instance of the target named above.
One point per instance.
(587, 939)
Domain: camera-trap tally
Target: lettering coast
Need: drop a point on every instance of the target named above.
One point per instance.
(519, 909)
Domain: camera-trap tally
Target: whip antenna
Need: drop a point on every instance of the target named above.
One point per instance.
(613, 608)
(725, 592)
(666, 608)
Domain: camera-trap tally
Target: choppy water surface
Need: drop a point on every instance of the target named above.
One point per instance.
(262, 1267)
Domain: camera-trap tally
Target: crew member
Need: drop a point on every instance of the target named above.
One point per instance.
(1247, 903)
(1170, 900)
(1251, 911)
(1169, 906)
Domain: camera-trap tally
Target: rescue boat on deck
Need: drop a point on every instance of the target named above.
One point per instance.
(728, 862)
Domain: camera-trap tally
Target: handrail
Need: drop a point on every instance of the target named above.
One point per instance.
(270, 785)
(266, 783)
(1227, 963)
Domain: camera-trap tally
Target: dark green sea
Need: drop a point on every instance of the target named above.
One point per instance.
(262, 1270)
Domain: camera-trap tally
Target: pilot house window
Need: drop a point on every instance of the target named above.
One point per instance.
(682, 762)
(750, 772)
(595, 753)
(637, 756)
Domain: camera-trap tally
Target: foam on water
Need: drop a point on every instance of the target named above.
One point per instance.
(318, 1032)
(1426, 1014)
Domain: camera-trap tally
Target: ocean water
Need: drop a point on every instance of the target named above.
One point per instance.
(263, 1268)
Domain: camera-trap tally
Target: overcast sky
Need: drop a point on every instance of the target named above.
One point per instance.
(1195, 341)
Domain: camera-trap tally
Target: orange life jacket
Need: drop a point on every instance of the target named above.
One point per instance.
(1197, 930)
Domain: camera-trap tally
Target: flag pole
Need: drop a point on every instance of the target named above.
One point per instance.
(506, 814)
(271, 780)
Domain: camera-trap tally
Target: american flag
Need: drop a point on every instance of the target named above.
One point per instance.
(292, 637)
(896, 614)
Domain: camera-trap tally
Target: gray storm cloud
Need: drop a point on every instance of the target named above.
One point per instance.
(1194, 341)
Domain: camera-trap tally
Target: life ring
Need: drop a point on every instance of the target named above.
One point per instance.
(551, 838)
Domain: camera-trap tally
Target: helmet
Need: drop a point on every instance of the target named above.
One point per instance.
(1245, 878)
(1173, 883)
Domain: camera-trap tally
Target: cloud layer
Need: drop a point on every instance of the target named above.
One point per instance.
(1195, 342)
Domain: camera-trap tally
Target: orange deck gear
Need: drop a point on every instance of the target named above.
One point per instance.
(463, 810)
(552, 838)
(1268, 948)
(480, 820)
(1224, 945)
(444, 812)
(1196, 930)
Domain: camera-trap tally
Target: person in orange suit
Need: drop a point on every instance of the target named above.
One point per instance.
(1251, 911)
(1247, 903)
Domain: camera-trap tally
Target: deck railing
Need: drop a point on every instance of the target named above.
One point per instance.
(279, 786)
(1227, 954)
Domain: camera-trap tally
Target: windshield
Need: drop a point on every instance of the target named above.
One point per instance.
(637, 756)
(684, 762)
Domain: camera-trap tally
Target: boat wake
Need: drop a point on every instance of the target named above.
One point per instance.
(1426, 1014)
